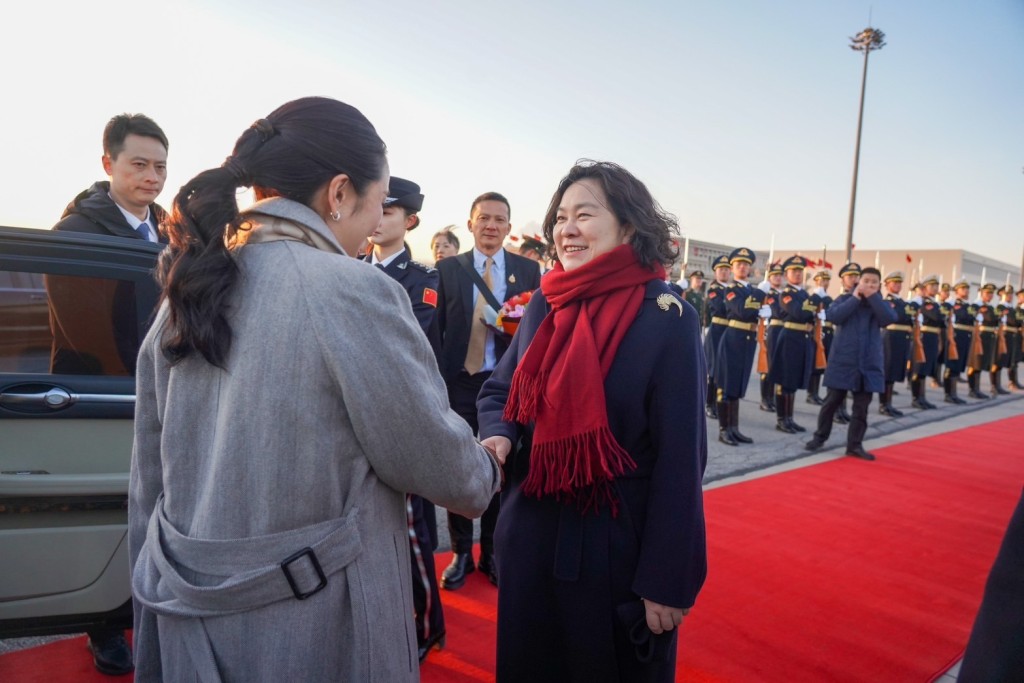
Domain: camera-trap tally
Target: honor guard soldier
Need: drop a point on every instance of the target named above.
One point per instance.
(793, 355)
(962, 321)
(715, 323)
(1018, 348)
(896, 341)
(942, 297)
(734, 359)
(390, 254)
(822, 279)
(983, 351)
(1010, 332)
(694, 294)
(849, 276)
(772, 287)
(933, 330)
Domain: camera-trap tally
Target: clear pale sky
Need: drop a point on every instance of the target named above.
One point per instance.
(740, 115)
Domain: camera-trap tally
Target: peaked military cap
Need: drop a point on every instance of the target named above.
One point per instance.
(404, 193)
(695, 273)
(741, 254)
(720, 262)
(962, 282)
(944, 286)
(894, 276)
(987, 287)
(794, 263)
(822, 275)
(850, 268)
(775, 268)
(1007, 289)
(930, 280)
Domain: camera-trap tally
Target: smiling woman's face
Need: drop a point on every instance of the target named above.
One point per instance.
(584, 226)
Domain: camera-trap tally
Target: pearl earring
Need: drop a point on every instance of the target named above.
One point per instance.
(335, 215)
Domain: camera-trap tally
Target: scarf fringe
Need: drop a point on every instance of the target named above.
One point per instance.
(524, 397)
(578, 468)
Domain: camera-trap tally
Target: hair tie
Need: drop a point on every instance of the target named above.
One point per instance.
(237, 170)
(265, 128)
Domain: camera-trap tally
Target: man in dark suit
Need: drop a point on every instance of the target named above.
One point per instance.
(486, 276)
(135, 160)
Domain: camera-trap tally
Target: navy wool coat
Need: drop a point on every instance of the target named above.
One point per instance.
(564, 573)
(856, 361)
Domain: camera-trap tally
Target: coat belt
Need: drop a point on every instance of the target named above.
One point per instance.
(933, 330)
(899, 328)
(799, 327)
(775, 322)
(963, 328)
(749, 327)
(715, 320)
(983, 328)
(828, 324)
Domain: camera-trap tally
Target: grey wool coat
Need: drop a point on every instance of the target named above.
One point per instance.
(330, 409)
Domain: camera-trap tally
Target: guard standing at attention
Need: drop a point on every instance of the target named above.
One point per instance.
(390, 254)
(715, 322)
(933, 330)
(896, 341)
(1010, 330)
(986, 330)
(822, 279)
(962, 321)
(694, 294)
(942, 297)
(734, 359)
(772, 287)
(1018, 348)
(793, 356)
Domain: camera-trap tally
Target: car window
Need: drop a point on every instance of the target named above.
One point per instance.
(67, 324)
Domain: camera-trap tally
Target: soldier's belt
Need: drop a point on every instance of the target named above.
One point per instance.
(988, 329)
(900, 328)
(749, 327)
(929, 328)
(800, 327)
(963, 328)
(828, 324)
(719, 321)
(775, 323)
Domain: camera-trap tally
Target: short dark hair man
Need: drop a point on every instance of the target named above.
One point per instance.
(135, 160)
(470, 282)
(856, 361)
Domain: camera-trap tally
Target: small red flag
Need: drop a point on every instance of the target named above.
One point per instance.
(909, 260)
(430, 296)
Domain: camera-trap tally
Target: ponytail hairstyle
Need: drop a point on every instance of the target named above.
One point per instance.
(293, 153)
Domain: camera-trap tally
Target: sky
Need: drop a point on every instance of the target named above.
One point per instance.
(739, 115)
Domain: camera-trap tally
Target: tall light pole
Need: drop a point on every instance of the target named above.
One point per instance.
(867, 40)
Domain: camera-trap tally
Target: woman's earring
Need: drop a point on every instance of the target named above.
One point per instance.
(335, 215)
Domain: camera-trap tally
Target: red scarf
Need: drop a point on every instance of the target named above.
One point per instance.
(559, 383)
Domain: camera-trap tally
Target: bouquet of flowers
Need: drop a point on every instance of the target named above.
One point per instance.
(512, 312)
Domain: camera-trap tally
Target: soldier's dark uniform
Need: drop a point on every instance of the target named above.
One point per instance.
(896, 342)
(693, 295)
(793, 356)
(1011, 334)
(1018, 348)
(734, 357)
(933, 330)
(946, 308)
(771, 334)
(987, 318)
(961, 320)
(421, 283)
(714, 322)
(822, 278)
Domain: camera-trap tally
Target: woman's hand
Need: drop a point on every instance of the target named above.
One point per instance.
(662, 618)
(500, 446)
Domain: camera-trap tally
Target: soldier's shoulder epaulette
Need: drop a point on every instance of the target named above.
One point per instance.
(422, 266)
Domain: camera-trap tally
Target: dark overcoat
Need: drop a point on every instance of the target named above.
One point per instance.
(961, 315)
(420, 283)
(714, 307)
(734, 359)
(455, 305)
(792, 354)
(563, 573)
(856, 361)
(931, 318)
(896, 344)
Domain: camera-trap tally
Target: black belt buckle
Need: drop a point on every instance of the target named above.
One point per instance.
(299, 595)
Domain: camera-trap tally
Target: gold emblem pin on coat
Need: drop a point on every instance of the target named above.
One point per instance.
(512, 279)
(666, 301)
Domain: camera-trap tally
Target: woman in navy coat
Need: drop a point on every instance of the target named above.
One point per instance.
(600, 543)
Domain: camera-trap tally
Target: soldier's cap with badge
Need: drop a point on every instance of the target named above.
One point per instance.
(822, 275)
(531, 243)
(404, 193)
(894, 276)
(962, 282)
(1008, 289)
(930, 280)
(775, 268)
(695, 273)
(850, 268)
(944, 287)
(720, 262)
(795, 263)
(987, 287)
(740, 255)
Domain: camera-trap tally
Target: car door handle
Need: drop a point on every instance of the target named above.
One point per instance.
(31, 485)
(57, 398)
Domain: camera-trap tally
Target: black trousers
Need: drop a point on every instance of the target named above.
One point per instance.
(858, 416)
(462, 393)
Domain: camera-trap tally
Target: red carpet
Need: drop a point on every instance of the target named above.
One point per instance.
(844, 571)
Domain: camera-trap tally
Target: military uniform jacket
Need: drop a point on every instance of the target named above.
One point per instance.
(898, 343)
(735, 356)
(771, 335)
(695, 298)
(933, 327)
(793, 356)
(714, 307)
(827, 330)
(563, 572)
(962, 320)
(989, 328)
(420, 283)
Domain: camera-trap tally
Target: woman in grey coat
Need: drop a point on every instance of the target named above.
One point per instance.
(287, 400)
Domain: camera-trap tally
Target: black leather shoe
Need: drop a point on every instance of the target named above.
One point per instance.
(794, 426)
(436, 640)
(814, 444)
(859, 452)
(767, 406)
(921, 404)
(489, 567)
(887, 409)
(725, 436)
(814, 399)
(111, 655)
(711, 411)
(999, 391)
(783, 426)
(976, 394)
(949, 399)
(740, 437)
(455, 573)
